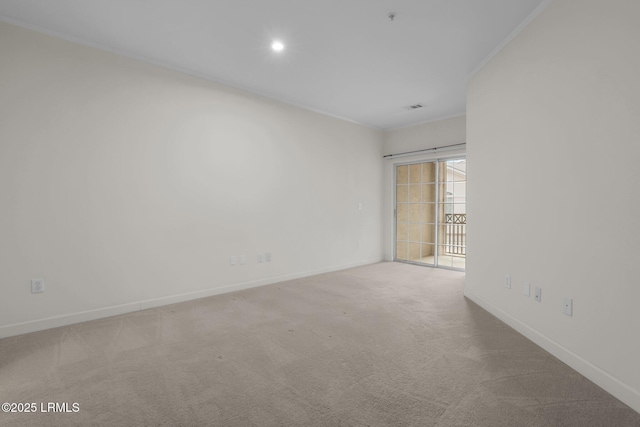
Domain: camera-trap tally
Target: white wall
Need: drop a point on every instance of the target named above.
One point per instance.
(125, 185)
(438, 133)
(553, 149)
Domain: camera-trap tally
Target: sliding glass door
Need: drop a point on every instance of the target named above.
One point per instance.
(430, 213)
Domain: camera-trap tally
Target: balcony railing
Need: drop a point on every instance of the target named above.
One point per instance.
(456, 234)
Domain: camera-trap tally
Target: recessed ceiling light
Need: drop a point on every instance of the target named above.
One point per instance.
(277, 46)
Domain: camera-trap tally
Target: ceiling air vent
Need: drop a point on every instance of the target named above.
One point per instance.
(414, 107)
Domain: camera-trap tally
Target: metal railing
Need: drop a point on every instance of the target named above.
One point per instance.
(455, 234)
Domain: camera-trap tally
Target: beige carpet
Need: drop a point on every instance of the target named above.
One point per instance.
(385, 344)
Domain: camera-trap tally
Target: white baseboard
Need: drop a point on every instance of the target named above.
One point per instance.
(100, 313)
(611, 384)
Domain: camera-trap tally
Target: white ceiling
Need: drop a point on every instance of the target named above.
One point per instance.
(342, 57)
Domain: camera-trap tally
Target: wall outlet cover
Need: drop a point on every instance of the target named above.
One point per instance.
(37, 286)
(538, 294)
(567, 306)
(527, 289)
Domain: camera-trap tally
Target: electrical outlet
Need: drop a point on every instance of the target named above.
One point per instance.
(538, 295)
(243, 259)
(260, 257)
(233, 260)
(567, 306)
(527, 289)
(507, 281)
(267, 256)
(37, 286)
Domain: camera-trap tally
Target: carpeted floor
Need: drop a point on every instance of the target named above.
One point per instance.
(385, 344)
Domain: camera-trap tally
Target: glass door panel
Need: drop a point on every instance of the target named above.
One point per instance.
(402, 213)
(416, 212)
